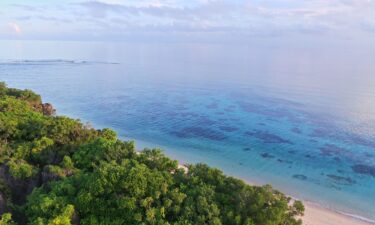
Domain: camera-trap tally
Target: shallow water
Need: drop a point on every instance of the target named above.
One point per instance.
(299, 118)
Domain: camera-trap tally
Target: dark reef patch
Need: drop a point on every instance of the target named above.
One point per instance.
(267, 137)
(230, 108)
(267, 155)
(334, 187)
(296, 130)
(180, 107)
(333, 150)
(360, 141)
(247, 149)
(369, 155)
(205, 121)
(188, 114)
(337, 159)
(212, 106)
(278, 112)
(326, 131)
(172, 114)
(341, 180)
(364, 169)
(340, 171)
(182, 100)
(321, 132)
(228, 128)
(300, 176)
(251, 107)
(284, 161)
(199, 132)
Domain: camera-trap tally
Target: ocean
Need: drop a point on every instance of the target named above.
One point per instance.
(296, 116)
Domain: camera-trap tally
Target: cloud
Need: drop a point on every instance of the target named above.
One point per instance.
(297, 16)
(99, 8)
(116, 18)
(15, 28)
(25, 7)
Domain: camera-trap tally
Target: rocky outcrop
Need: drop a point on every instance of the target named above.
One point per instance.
(3, 204)
(52, 173)
(48, 109)
(75, 218)
(47, 176)
(20, 188)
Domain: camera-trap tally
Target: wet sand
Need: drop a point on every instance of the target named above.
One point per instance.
(317, 215)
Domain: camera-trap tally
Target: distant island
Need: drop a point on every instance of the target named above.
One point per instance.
(57, 170)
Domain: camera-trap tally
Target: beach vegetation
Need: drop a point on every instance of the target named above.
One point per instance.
(57, 170)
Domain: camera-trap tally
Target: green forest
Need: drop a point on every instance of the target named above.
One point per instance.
(58, 170)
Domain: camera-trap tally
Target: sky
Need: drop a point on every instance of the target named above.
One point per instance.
(187, 20)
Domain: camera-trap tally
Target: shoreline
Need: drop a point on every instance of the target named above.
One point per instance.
(316, 214)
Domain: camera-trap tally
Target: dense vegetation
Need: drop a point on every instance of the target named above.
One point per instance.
(56, 170)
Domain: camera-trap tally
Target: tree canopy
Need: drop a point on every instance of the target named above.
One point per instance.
(56, 170)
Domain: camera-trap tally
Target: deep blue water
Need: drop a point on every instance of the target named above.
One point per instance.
(300, 118)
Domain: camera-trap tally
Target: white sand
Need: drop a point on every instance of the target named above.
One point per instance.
(316, 215)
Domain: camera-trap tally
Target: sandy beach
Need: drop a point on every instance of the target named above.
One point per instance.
(316, 215)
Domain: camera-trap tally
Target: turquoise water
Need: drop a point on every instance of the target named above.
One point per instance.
(300, 119)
